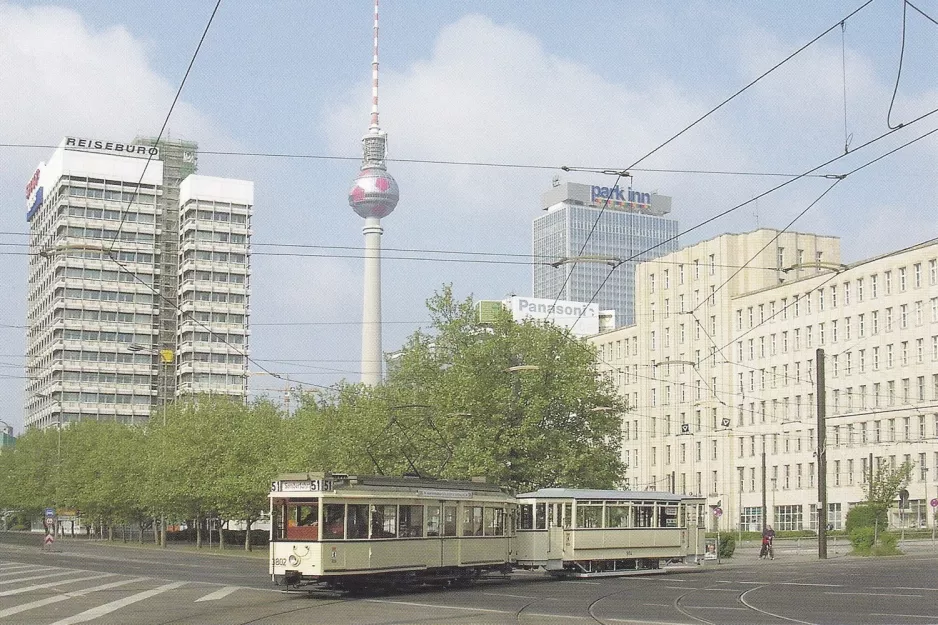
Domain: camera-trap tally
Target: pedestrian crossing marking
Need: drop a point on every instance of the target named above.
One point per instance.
(35, 569)
(61, 582)
(218, 594)
(65, 597)
(29, 579)
(107, 608)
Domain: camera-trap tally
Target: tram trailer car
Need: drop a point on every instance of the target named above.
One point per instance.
(587, 533)
(346, 532)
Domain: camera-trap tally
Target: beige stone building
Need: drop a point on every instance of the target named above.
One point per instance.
(721, 366)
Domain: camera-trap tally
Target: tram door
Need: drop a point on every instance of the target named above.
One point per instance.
(554, 536)
(449, 545)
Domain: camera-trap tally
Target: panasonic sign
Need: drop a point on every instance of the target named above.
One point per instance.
(581, 318)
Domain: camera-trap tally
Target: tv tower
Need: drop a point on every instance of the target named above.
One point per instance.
(374, 195)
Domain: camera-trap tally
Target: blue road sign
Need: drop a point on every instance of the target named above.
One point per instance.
(50, 512)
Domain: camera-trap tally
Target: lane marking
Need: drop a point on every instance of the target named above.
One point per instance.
(500, 594)
(107, 608)
(425, 605)
(572, 581)
(900, 588)
(65, 597)
(221, 593)
(928, 616)
(871, 594)
(806, 584)
(712, 607)
(742, 600)
(18, 591)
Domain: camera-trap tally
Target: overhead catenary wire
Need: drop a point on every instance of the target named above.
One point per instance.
(150, 153)
(428, 161)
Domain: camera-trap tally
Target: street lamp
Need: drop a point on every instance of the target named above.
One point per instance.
(774, 484)
(166, 358)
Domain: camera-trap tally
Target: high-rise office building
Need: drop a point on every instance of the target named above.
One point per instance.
(574, 255)
(138, 281)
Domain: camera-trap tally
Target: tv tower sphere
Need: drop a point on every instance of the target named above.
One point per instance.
(374, 192)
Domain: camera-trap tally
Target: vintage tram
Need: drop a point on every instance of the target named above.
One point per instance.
(586, 533)
(347, 532)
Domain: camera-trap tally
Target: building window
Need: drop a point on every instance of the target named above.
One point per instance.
(902, 279)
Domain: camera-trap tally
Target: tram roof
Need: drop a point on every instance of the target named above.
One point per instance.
(617, 495)
(342, 481)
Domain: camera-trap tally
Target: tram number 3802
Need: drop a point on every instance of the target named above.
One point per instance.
(280, 562)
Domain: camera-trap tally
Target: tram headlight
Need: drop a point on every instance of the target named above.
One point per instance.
(293, 560)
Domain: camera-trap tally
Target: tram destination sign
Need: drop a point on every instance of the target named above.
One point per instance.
(303, 486)
(445, 494)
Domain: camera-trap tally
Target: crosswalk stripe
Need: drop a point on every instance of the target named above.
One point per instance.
(36, 569)
(70, 595)
(107, 608)
(29, 579)
(218, 594)
(9, 566)
(61, 582)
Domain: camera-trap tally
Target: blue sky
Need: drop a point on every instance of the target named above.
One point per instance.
(529, 82)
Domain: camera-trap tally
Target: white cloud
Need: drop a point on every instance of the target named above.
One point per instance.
(491, 92)
(60, 76)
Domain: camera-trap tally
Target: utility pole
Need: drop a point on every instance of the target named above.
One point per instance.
(765, 509)
(821, 458)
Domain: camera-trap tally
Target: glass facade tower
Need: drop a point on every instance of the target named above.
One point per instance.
(628, 232)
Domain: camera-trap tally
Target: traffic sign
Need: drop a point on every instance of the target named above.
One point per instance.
(50, 512)
(49, 539)
(718, 512)
(934, 503)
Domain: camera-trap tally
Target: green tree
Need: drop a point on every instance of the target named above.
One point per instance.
(520, 403)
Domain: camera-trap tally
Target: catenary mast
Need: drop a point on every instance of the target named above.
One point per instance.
(374, 195)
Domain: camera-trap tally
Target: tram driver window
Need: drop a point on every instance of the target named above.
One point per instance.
(383, 521)
(356, 522)
(303, 521)
(333, 518)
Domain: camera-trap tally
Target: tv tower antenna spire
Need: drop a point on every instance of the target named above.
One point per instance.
(374, 195)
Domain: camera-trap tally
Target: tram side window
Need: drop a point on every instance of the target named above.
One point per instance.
(589, 516)
(617, 516)
(449, 520)
(333, 519)
(433, 520)
(411, 521)
(356, 523)
(383, 521)
(494, 521)
(644, 516)
(667, 516)
(540, 516)
(527, 516)
(472, 521)
(567, 515)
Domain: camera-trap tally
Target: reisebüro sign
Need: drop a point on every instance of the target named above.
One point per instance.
(110, 147)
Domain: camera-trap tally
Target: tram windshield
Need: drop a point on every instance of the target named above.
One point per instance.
(295, 520)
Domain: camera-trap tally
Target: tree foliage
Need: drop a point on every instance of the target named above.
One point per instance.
(518, 403)
(521, 404)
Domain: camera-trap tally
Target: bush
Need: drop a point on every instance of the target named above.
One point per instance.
(887, 545)
(866, 515)
(862, 540)
(727, 545)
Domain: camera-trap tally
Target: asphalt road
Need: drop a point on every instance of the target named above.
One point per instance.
(93, 582)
